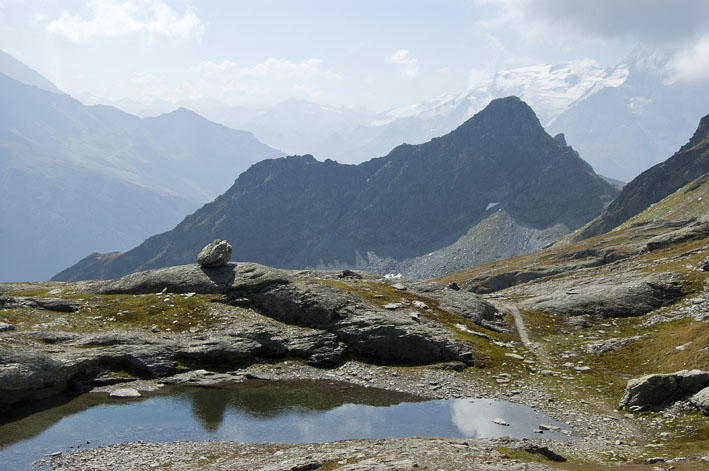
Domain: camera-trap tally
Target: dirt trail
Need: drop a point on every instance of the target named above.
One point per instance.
(534, 347)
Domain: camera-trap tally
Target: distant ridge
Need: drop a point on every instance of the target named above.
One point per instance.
(298, 212)
(657, 182)
(76, 179)
(16, 70)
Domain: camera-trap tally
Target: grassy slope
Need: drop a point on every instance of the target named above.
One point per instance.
(674, 341)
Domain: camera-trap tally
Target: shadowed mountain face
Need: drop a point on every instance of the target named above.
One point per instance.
(77, 179)
(298, 212)
(654, 184)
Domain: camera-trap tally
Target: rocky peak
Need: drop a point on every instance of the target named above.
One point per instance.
(561, 139)
(508, 117)
(701, 134)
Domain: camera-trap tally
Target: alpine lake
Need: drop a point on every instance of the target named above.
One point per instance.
(254, 411)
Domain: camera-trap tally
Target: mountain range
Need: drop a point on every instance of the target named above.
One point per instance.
(622, 119)
(297, 212)
(76, 178)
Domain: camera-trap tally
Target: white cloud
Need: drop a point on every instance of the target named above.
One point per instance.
(272, 68)
(406, 65)
(5, 3)
(692, 63)
(494, 43)
(227, 82)
(644, 20)
(116, 19)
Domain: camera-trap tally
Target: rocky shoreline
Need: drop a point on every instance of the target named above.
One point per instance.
(591, 432)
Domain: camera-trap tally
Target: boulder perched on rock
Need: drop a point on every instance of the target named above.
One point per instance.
(215, 254)
(652, 391)
(701, 400)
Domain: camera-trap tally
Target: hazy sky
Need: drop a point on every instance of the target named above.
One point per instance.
(379, 54)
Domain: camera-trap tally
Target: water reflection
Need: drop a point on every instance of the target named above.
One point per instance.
(256, 411)
(264, 400)
(474, 418)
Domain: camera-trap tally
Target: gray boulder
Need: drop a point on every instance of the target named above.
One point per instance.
(652, 391)
(215, 254)
(704, 264)
(606, 345)
(701, 400)
(463, 303)
(4, 327)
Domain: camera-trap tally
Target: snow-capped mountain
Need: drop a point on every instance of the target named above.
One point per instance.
(622, 131)
(548, 89)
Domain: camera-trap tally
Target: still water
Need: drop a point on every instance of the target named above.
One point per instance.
(256, 411)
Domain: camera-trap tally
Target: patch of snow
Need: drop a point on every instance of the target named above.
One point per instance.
(491, 205)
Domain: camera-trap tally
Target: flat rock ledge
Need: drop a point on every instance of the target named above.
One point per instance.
(613, 295)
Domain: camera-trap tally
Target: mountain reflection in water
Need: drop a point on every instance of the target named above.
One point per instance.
(256, 411)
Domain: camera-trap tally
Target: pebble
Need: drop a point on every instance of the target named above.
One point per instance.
(4, 327)
(125, 393)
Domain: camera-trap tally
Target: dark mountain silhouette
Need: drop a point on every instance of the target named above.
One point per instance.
(299, 212)
(657, 182)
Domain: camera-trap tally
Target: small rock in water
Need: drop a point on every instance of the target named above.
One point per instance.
(125, 392)
(499, 421)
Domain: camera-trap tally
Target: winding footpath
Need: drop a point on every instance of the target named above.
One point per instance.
(534, 347)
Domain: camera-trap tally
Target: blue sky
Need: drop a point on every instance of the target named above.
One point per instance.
(378, 54)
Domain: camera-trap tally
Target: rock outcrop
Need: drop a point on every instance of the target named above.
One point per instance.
(312, 316)
(653, 391)
(605, 295)
(50, 304)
